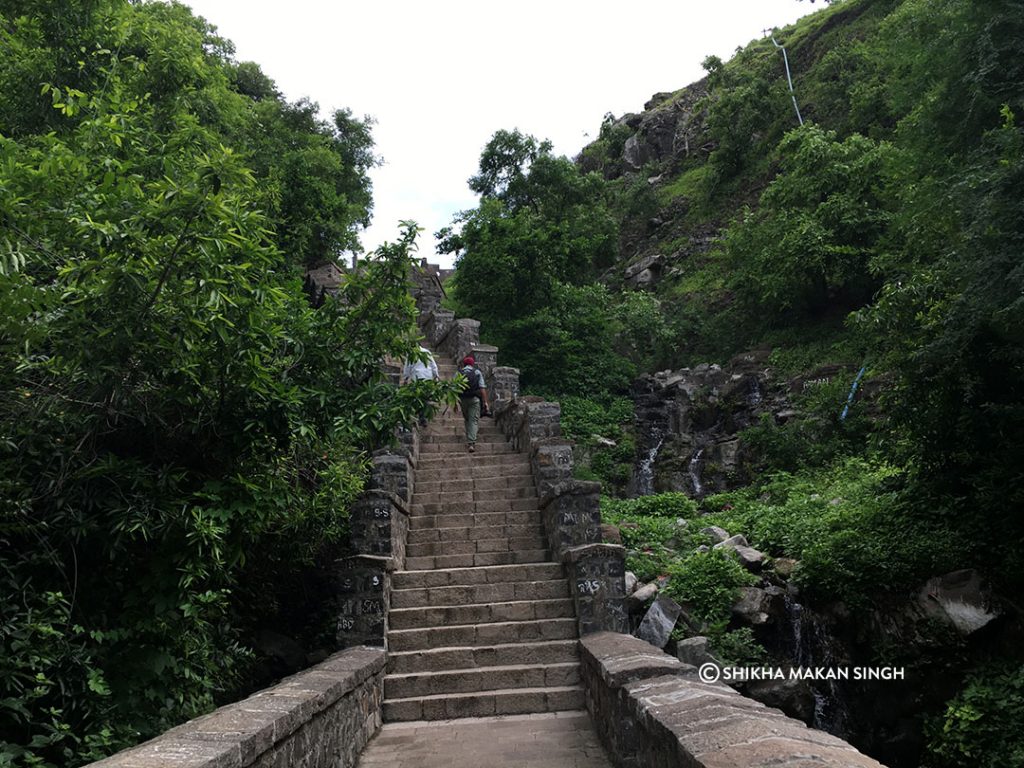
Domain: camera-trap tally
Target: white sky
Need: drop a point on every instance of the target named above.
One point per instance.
(441, 77)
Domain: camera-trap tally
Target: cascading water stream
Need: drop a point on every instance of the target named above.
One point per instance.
(755, 396)
(698, 487)
(812, 647)
(645, 469)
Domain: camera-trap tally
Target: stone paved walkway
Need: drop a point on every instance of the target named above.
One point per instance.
(546, 740)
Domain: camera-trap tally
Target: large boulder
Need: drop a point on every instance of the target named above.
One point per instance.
(961, 599)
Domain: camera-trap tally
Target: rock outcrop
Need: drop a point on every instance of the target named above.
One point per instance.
(688, 424)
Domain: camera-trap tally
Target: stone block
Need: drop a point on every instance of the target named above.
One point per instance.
(379, 525)
(363, 583)
(656, 627)
(597, 582)
(393, 473)
(502, 387)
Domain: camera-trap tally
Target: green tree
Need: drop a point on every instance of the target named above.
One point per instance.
(821, 222)
(176, 422)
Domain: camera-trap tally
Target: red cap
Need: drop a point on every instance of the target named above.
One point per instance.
(468, 360)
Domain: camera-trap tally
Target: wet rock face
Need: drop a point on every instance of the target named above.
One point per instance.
(688, 424)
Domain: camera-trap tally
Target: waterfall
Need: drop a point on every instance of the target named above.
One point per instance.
(755, 396)
(812, 647)
(698, 487)
(645, 469)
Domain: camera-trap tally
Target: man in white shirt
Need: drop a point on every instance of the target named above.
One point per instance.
(415, 370)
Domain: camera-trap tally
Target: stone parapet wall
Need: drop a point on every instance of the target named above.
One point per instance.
(319, 718)
(650, 709)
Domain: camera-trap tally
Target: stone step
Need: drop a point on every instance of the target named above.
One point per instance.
(462, 466)
(456, 681)
(474, 507)
(469, 482)
(419, 521)
(455, 441)
(481, 448)
(471, 594)
(471, 547)
(514, 701)
(452, 497)
(423, 638)
(505, 654)
(433, 461)
(474, 533)
(481, 613)
(435, 562)
(493, 574)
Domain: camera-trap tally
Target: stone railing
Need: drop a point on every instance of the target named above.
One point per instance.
(319, 718)
(651, 709)
(378, 526)
(571, 512)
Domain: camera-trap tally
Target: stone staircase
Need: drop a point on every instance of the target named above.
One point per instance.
(481, 622)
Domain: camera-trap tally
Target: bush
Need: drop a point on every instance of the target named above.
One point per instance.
(852, 525)
(707, 582)
(981, 725)
(672, 504)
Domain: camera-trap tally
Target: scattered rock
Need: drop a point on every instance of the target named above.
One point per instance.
(739, 540)
(715, 533)
(749, 558)
(604, 442)
(960, 598)
(750, 607)
(640, 596)
(610, 534)
(631, 582)
(703, 548)
(784, 566)
(694, 650)
(794, 697)
(661, 618)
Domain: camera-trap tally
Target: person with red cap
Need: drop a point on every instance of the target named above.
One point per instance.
(471, 399)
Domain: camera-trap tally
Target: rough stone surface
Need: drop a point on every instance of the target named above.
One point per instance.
(660, 620)
(378, 524)
(597, 578)
(716, 534)
(438, 324)
(694, 651)
(392, 473)
(319, 718)
(364, 588)
(503, 386)
(572, 515)
(548, 740)
(638, 599)
(652, 710)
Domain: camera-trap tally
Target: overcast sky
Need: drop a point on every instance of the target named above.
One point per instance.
(441, 77)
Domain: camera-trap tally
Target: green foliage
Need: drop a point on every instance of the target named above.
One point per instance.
(738, 648)
(817, 227)
(708, 582)
(656, 505)
(981, 724)
(590, 423)
(527, 259)
(853, 527)
(177, 425)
